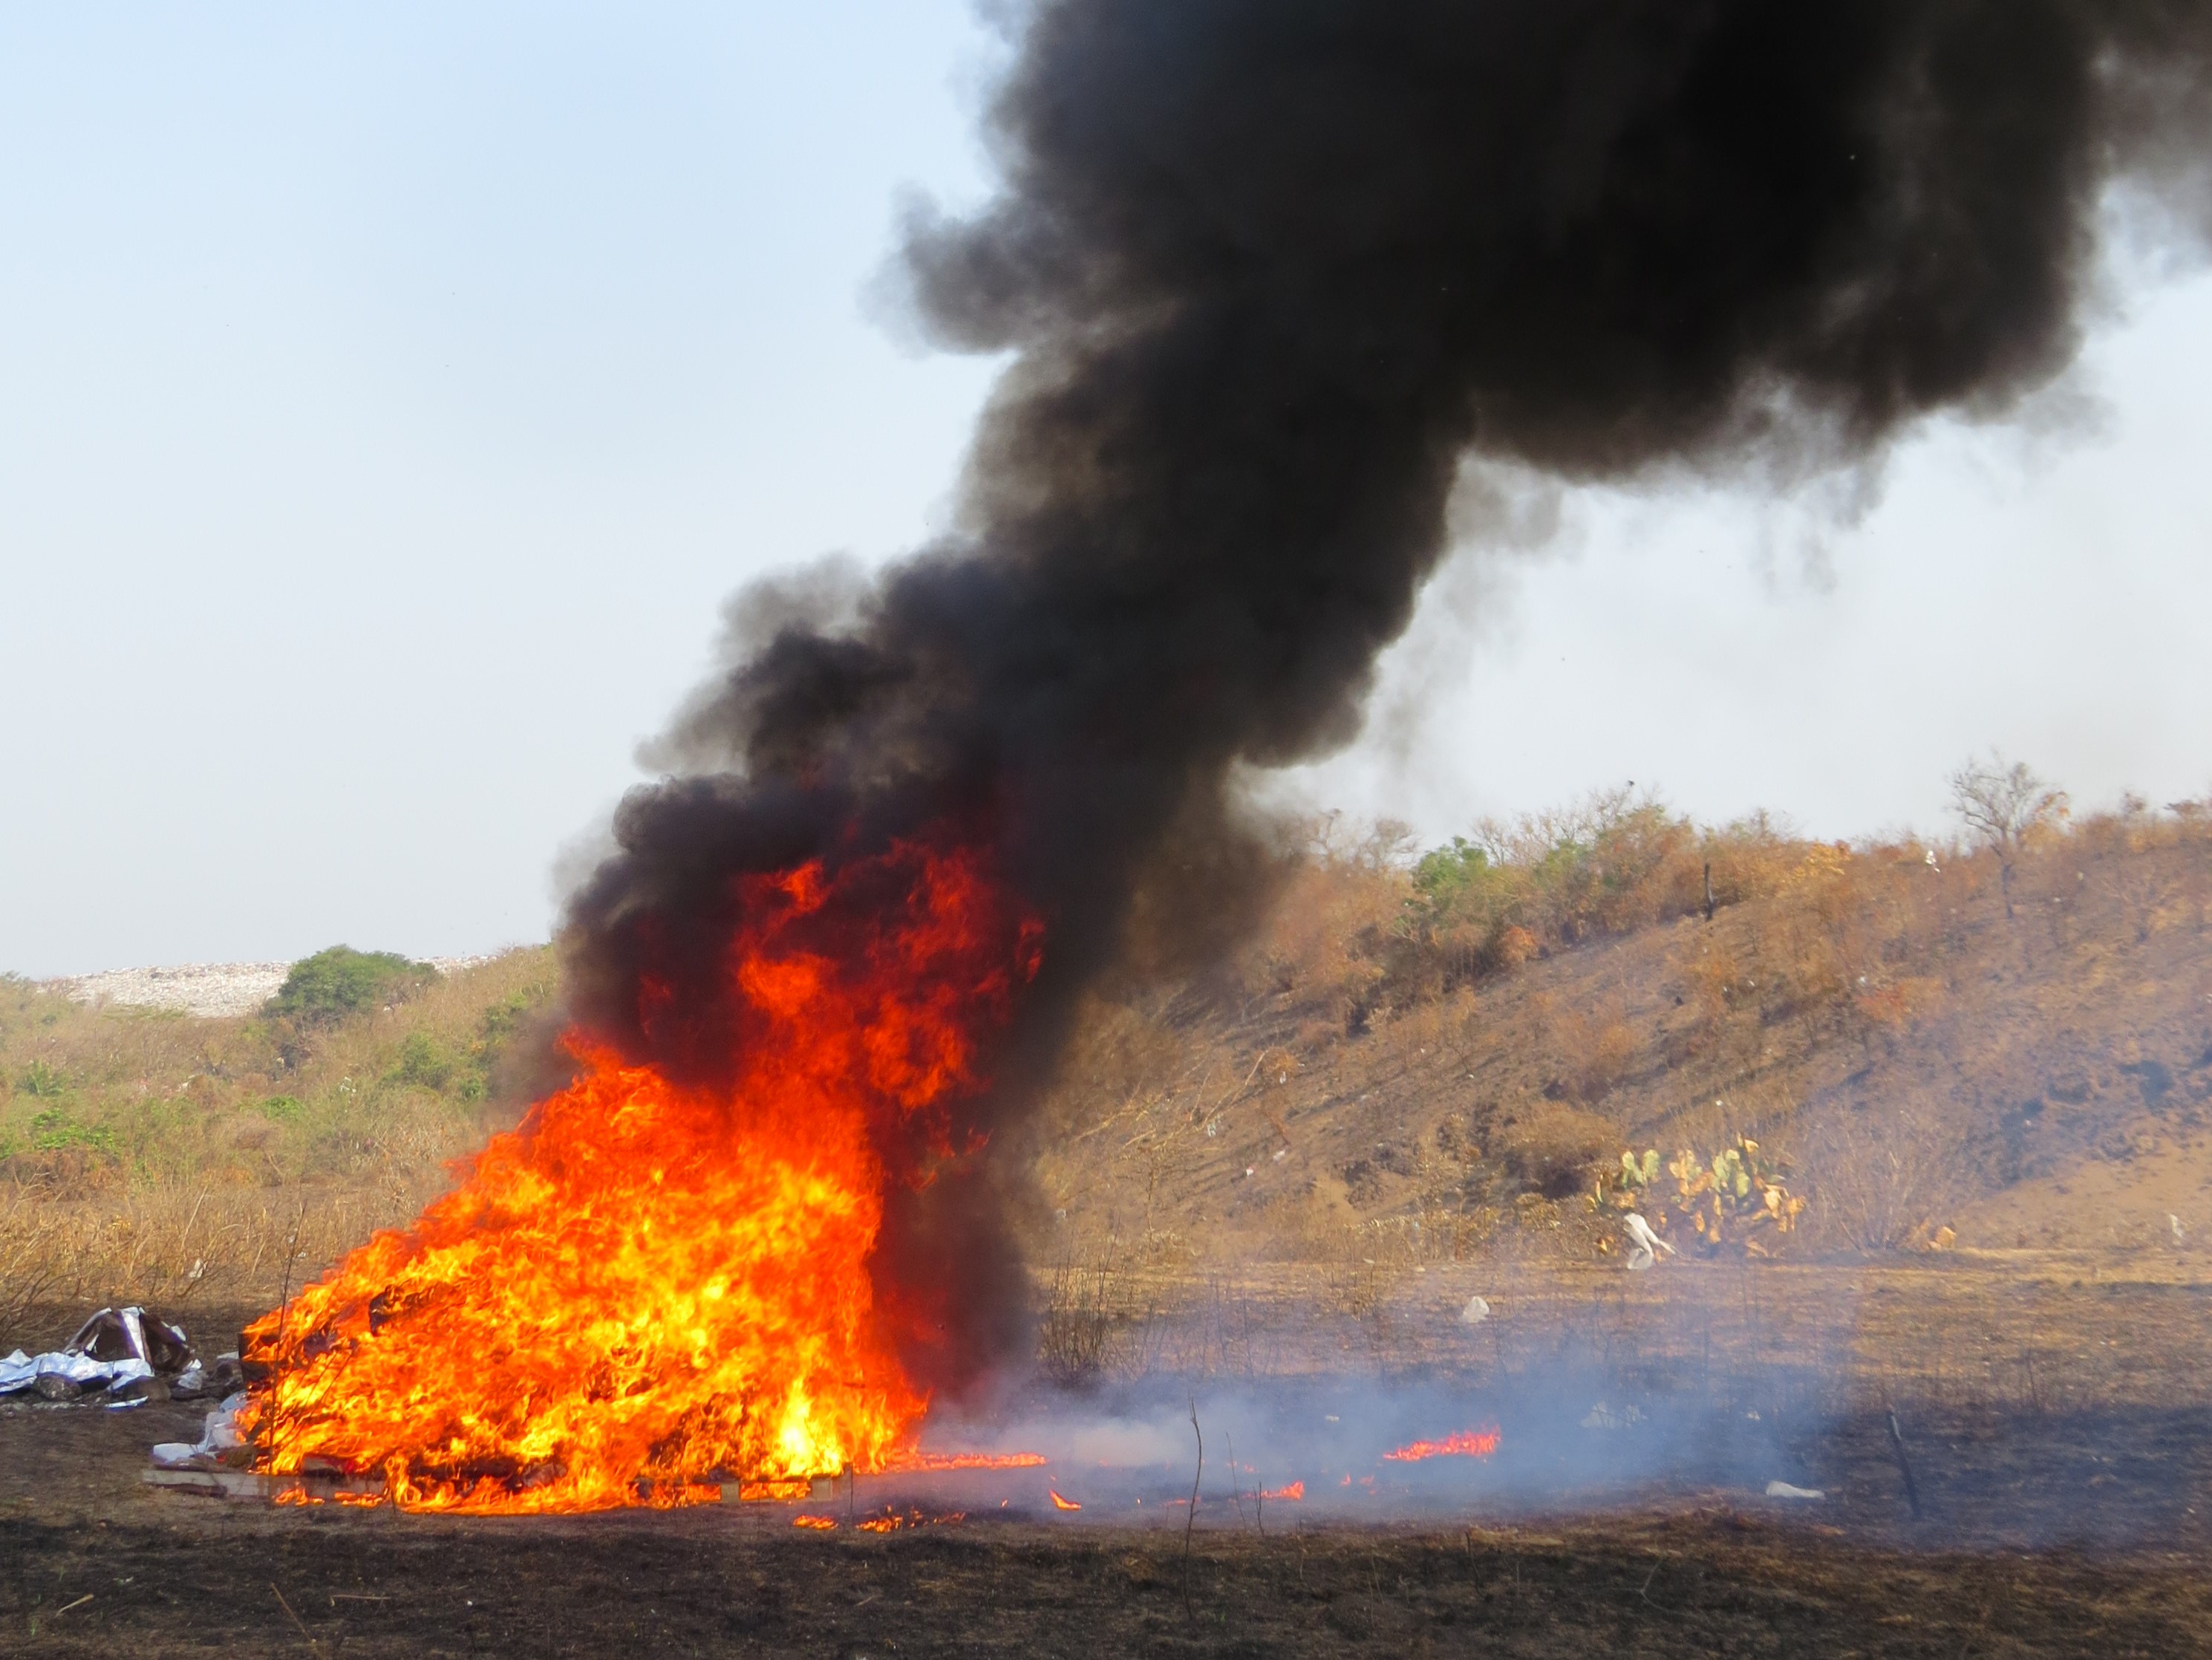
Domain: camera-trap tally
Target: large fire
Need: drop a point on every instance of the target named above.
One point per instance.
(648, 1289)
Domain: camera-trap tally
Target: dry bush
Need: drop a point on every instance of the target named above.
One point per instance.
(1326, 945)
(34, 1257)
(1096, 1318)
(1592, 1049)
(1880, 1178)
(1553, 1150)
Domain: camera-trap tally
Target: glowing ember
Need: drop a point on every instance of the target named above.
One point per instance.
(648, 1289)
(1295, 1490)
(891, 1521)
(1467, 1443)
(1059, 1503)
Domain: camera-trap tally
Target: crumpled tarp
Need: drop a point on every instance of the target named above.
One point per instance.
(116, 1346)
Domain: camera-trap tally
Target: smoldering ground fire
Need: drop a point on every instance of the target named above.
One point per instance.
(1276, 277)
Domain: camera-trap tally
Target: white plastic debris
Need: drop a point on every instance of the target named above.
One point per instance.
(1783, 1490)
(1648, 1243)
(1476, 1311)
(217, 1436)
(2180, 1233)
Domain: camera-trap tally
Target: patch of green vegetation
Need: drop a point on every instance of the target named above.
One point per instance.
(282, 1109)
(326, 988)
(54, 1129)
(424, 1064)
(507, 1017)
(41, 1081)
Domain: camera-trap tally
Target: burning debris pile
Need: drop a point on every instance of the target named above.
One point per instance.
(1285, 286)
(659, 1285)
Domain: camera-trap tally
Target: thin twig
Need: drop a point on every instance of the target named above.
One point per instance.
(1190, 1516)
(283, 1333)
(1904, 1465)
(66, 1607)
(287, 1607)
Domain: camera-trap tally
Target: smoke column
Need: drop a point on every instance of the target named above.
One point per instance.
(1271, 271)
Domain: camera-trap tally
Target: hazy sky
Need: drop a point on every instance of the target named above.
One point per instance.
(388, 400)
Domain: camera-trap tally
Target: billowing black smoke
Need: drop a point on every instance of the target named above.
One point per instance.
(1271, 271)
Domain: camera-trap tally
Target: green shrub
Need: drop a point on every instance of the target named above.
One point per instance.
(423, 1063)
(283, 1109)
(325, 988)
(54, 1129)
(41, 1081)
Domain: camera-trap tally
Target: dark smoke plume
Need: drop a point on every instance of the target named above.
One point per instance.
(1271, 271)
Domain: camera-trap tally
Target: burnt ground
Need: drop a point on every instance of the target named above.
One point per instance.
(2044, 1534)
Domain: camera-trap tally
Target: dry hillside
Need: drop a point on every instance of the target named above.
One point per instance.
(1914, 1052)
(1416, 1061)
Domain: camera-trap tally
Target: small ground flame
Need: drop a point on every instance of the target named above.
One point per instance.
(1059, 1503)
(1296, 1490)
(894, 1521)
(1467, 1443)
(965, 1461)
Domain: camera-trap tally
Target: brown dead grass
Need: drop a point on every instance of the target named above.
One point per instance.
(1922, 1060)
(156, 1158)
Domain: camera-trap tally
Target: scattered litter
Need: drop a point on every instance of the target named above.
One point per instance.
(218, 1437)
(1476, 1311)
(1603, 1417)
(127, 1352)
(1783, 1490)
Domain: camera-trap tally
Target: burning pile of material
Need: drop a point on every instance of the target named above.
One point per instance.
(653, 1287)
(1288, 289)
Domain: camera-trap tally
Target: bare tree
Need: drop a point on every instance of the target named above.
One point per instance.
(2002, 805)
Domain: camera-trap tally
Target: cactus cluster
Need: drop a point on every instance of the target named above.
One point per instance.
(1731, 1199)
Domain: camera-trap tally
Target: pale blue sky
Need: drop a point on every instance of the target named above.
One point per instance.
(389, 399)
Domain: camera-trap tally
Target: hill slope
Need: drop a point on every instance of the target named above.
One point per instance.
(1921, 1058)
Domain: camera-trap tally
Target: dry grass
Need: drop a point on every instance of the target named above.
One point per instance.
(1873, 1016)
(188, 1162)
(1352, 1104)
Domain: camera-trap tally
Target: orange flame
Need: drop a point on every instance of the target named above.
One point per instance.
(648, 1289)
(1059, 1503)
(1296, 1490)
(820, 1523)
(1467, 1443)
(966, 1461)
(891, 1521)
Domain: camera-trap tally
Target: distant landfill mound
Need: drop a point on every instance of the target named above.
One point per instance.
(209, 990)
